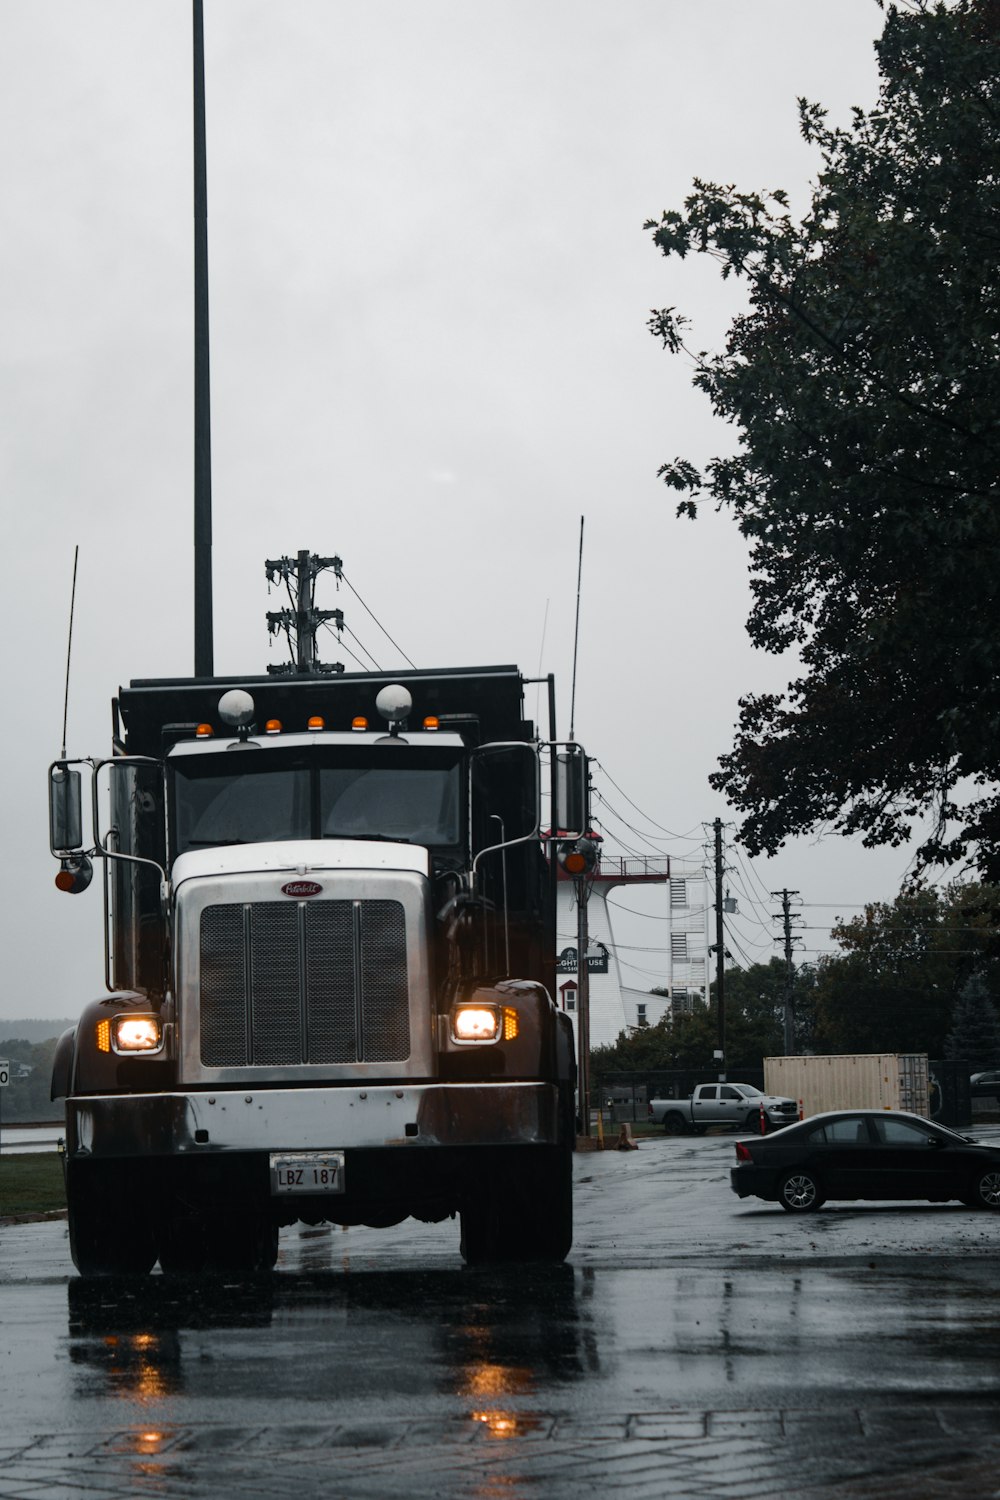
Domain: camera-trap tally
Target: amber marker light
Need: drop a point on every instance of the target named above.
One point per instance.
(432, 722)
(316, 722)
(104, 1036)
(137, 1034)
(475, 1023)
(509, 1023)
(204, 732)
(359, 722)
(273, 726)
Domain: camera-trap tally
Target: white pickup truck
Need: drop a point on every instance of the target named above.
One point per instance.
(736, 1104)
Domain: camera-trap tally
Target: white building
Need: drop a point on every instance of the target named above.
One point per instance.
(614, 1006)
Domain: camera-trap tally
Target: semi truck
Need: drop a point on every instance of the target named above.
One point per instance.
(330, 944)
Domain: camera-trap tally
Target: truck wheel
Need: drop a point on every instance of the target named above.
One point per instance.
(109, 1229)
(754, 1122)
(524, 1212)
(245, 1242)
(799, 1192)
(182, 1243)
(674, 1123)
(192, 1242)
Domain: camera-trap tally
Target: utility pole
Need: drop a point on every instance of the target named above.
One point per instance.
(787, 919)
(583, 1002)
(720, 949)
(301, 622)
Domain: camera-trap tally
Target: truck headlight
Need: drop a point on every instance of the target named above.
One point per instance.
(475, 1023)
(483, 1023)
(136, 1034)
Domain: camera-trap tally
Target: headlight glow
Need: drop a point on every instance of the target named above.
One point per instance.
(476, 1023)
(137, 1034)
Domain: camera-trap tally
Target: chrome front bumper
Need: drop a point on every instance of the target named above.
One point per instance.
(414, 1118)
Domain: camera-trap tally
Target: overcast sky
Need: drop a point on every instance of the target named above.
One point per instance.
(429, 290)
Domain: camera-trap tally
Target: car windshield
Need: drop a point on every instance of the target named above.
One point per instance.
(254, 796)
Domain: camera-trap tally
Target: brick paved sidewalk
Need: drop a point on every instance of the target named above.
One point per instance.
(904, 1452)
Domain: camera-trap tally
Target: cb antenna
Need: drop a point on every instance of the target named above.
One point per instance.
(576, 639)
(69, 648)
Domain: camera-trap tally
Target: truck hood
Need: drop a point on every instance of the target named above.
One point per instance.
(301, 857)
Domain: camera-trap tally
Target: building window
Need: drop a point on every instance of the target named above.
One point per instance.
(569, 997)
(678, 893)
(679, 947)
(640, 1015)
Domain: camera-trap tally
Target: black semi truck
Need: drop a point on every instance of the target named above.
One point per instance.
(329, 910)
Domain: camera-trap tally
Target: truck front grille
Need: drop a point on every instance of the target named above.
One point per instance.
(284, 983)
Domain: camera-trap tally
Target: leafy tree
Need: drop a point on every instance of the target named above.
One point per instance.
(863, 384)
(685, 1042)
(893, 987)
(975, 1030)
(755, 1011)
(27, 1097)
(754, 1027)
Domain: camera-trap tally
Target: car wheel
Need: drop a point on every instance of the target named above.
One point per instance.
(799, 1192)
(986, 1189)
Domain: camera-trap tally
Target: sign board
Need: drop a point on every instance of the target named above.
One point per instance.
(4, 1072)
(597, 960)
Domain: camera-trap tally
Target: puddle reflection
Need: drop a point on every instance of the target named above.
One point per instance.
(492, 1338)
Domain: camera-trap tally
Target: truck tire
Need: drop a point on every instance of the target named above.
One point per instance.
(674, 1123)
(109, 1229)
(190, 1243)
(523, 1211)
(754, 1122)
(243, 1242)
(799, 1192)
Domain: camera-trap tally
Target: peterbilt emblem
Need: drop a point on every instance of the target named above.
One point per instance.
(301, 888)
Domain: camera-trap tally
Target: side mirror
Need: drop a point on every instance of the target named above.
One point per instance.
(569, 791)
(65, 810)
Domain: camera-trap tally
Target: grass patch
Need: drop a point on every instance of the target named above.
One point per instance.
(31, 1183)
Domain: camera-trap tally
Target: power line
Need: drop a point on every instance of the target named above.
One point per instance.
(378, 622)
(679, 837)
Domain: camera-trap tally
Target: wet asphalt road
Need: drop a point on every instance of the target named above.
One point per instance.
(695, 1345)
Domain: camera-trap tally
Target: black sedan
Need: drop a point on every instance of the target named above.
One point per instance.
(866, 1153)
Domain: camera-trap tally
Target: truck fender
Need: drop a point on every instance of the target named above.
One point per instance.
(62, 1065)
(90, 1070)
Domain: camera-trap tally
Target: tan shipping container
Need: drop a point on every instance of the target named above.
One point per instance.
(855, 1080)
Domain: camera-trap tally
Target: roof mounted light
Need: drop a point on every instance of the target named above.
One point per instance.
(236, 708)
(204, 732)
(432, 723)
(316, 721)
(273, 726)
(394, 703)
(359, 722)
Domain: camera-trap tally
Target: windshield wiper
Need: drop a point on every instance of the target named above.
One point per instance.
(211, 843)
(370, 838)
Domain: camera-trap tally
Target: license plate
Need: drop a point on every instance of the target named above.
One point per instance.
(307, 1172)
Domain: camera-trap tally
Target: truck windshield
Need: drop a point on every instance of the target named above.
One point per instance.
(253, 796)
